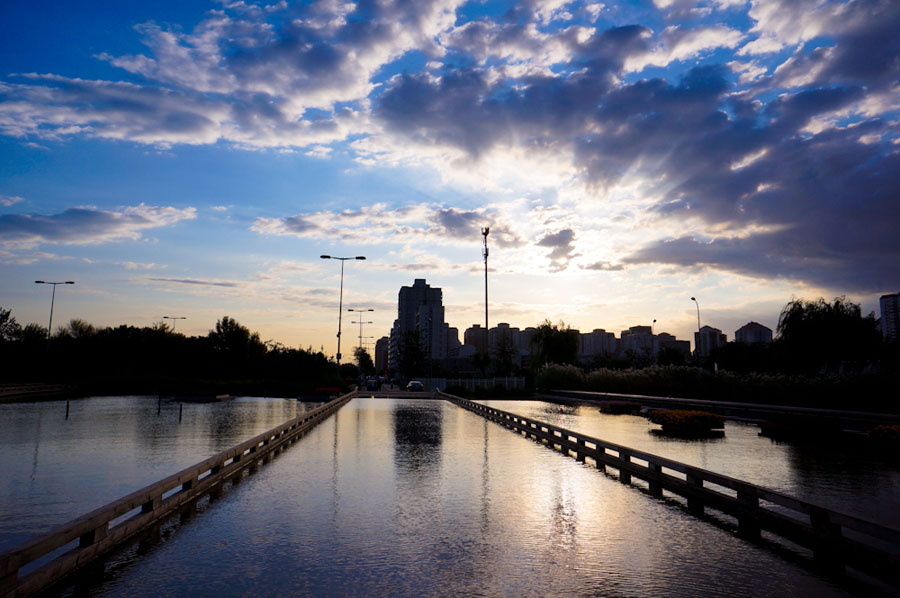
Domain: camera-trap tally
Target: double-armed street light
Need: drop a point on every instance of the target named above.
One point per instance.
(341, 299)
(360, 321)
(173, 318)
(52, 301)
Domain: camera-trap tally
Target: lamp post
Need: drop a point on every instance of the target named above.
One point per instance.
(485, 232)
(340, 300)
(173, 318)
(361, 312)
(52, 301)
(694, 299)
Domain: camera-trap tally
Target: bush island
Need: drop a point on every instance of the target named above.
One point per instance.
(888, 436)
(688, 423)
(619, 407)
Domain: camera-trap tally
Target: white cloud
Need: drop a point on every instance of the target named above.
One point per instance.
(8, 200)
(676, 43)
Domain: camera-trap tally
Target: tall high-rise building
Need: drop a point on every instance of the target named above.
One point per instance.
(420, 310)
(890, 317)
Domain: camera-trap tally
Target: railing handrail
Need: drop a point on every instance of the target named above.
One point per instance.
(33, 549)
(850, 521)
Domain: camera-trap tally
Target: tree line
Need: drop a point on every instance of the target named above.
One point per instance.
(156, 360)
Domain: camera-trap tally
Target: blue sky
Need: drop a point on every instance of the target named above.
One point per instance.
(195, 159)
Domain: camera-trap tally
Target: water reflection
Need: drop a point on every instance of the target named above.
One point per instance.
(417, 437)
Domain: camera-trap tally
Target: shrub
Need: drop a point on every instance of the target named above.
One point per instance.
(556, 376)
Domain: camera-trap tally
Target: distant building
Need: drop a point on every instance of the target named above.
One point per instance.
(502, 335)
(597, 343)
(476, 336)
(420, 309)
(890, 317)
(707, 339)
(639, 340)
(668, 341)
(753, 332)
(382, 347)
(525, 336)
(453, 344)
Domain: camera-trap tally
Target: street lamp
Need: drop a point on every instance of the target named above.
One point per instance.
(694, 299)
(52, 301)
(173, 318)
(341, 300)
(360, 312)
(485, 232)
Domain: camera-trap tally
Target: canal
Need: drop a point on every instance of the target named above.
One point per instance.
(394, 497)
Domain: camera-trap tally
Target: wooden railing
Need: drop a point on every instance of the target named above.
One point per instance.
(835, 538)
(109, 526)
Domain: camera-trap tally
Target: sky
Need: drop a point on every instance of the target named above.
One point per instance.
(195, 158)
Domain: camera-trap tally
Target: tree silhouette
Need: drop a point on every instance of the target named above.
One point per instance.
(364, 361)
(554, 343)
(10, 330)
(818, 336)
(506, 354)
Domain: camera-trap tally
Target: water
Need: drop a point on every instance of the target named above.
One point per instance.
(846, 474)
(400, 497)
(54, 469)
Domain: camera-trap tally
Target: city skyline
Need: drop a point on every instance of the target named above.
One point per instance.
(195, 159)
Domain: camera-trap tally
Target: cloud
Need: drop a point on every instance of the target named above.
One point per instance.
(677, 43)
(139, 266)
(792, 149)
(379, 223)
(87, 226)
(604, 266)
(562, 248)
(8, 200)
(196, 282)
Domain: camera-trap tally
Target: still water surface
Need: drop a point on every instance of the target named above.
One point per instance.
(53, 469)
(845, 473)
(390, 497)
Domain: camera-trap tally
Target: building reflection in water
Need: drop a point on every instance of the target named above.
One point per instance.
(417, 438)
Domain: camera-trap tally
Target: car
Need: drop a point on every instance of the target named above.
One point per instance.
(415, 386)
